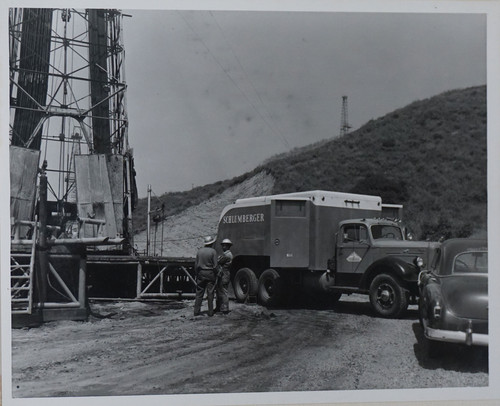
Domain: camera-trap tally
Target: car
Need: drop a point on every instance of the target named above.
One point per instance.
(453, 295)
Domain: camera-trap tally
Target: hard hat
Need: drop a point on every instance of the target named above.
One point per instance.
(208, 240)
(226, 241)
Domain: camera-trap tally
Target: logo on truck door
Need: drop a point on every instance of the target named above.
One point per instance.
(354, 258)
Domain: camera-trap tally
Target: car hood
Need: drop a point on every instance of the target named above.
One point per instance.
(466, 295)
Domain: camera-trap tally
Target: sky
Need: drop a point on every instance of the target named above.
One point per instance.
(212, 94)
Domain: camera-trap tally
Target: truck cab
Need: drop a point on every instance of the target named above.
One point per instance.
(375, 256)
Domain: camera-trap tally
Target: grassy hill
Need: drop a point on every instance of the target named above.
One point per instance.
(429, 156)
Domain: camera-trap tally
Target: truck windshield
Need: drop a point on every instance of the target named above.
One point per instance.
(386, 231)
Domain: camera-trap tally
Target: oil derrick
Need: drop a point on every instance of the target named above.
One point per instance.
(71, 167)
(66, 70)
(344, 122)
(72, 171)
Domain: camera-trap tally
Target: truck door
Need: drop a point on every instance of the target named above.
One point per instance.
(352, 248)
(289, 234)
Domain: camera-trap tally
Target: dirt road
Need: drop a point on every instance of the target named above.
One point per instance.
(160, 348)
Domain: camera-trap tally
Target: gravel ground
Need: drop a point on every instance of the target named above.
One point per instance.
(148, 348)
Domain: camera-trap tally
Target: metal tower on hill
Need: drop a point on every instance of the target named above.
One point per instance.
(344, 123)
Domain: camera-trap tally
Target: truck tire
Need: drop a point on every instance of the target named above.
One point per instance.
(388, 298)
(270, 290)
(245, 284)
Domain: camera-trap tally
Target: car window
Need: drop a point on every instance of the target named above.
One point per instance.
(471, 262)
(435, 259)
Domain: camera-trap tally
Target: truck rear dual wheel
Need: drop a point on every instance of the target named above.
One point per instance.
(270, 290)
(388, 298)
(245, 284)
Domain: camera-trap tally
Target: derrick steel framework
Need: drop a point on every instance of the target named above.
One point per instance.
(68, 118)
(344, 123)
(67, 92)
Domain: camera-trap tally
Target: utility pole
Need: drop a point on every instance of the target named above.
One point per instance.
(149, 221)
(344, 123)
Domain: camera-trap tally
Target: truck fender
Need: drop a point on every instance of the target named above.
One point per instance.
(404, 271)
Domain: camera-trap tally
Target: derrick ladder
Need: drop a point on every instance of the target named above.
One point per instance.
(22, 266)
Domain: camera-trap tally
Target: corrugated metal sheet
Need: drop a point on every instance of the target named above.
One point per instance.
(23, 175)
(99, 189)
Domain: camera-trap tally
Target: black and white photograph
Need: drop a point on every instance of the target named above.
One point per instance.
(234, 203)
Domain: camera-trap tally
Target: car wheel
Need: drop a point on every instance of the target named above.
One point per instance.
(388, 298)
(270, 290)
(244, 284)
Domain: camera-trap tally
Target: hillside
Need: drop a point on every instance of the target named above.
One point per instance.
(182, 232)
(429, 156)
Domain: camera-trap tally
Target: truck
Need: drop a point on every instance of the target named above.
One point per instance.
(322, 244)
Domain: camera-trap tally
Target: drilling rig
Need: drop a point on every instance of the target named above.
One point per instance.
(71, 167)
(72, 176)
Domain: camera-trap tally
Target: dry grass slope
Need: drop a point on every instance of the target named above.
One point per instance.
(183, 232)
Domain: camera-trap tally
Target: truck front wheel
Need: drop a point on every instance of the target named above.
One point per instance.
(245, 284)
(270, 291)
(388, 298)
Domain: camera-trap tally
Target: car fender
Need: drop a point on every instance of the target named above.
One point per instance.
(404, 271)
(430, 296)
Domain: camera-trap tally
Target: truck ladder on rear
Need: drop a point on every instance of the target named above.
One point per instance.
(22, 265)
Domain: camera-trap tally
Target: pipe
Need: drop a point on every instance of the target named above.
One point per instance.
(55, 305)
(82, 280)
(149, 220)
(139, 280)
(130, 233)
(76, 241)
(42, 243)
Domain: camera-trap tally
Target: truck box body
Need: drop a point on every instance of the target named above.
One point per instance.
(322, 245)
(294, 230)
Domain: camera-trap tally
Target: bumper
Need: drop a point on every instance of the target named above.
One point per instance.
(462, 337)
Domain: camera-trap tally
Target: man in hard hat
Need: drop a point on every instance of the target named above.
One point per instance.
(224, 261)
(205, 267)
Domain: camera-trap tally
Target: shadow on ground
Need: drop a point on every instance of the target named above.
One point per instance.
(451, 357)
